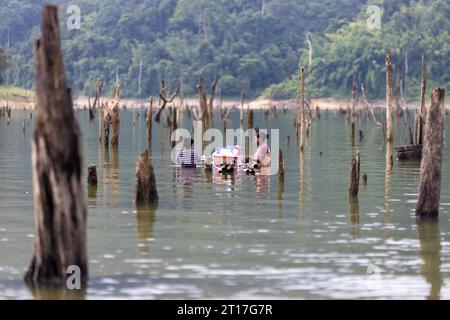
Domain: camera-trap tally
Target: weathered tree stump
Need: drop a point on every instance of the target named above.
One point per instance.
(301, 111)
(60, 207)
(422, 111)
(212, 96)
(146, 192)
(106, 124)
(281, 165)
(354, 177)
(92, 175)
(115, 117)
(409, 152)
(250, 120)
(149, 119)
(389, 134)
(430, 167)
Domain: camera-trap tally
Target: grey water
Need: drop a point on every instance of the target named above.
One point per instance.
(241, 237)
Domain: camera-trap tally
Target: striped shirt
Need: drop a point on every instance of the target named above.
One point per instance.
(187, 158)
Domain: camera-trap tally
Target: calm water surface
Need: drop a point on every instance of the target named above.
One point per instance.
(245, 237)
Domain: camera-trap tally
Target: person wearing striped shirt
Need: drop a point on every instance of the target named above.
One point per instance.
(187, 157)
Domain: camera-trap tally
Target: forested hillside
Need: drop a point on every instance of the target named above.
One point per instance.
(251, 44)
(254, 45)
(409, 29)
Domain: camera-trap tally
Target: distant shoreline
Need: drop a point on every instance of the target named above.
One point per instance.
(135, 103)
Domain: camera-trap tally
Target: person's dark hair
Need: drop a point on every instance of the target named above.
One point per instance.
(192, 142)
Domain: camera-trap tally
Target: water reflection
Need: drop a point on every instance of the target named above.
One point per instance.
(145, 219)
(221, 247)
(430, 251)
(388, 187)
(354, 217)
(115, 176)
(55, 292)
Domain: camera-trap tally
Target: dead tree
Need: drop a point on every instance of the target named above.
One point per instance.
(422, 112)
(149, 119)
(98, 90)
(354, 178)
(212, 96)
(146, 192)
(106, 123)
(353, 117)
(430, 167)
(164, 99)
(398, 104)
(301, 111)
(241, 109)
(281, 165)
(369, 106)
(115, 117)
(250, 121)
(92, 175)
(60, 205)
(389, 134)
(202, 99)
(91, 110)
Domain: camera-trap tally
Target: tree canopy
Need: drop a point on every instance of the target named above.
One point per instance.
(409, 29)
(250, 44)
(256, 46)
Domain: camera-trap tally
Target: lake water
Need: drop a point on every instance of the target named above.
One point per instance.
(241, 237)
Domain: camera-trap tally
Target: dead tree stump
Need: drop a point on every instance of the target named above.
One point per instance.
(354, 177)
(250, 120)
(92, 175)
(281, 165)
(60, 207)
(146, 192)
(389, 134)
(430, 167)
(149, 120)
(106, 124)
(422, 112)
(115, 117)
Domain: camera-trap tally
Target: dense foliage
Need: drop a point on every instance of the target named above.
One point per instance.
(409, 29)
(251, 44)
(254, 45)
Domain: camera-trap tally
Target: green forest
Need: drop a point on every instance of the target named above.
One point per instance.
(253, 45)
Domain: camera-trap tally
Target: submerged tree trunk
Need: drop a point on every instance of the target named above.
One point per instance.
(212, 96)
(422, 111)
(301, 116)
(430, 167)
(354, 178)
(389, 134)
(149, 120)
(60, 207)
(146, 192)
(115, 117)
(106, 124)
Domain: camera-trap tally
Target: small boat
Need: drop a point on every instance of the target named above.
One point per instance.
(229, 160)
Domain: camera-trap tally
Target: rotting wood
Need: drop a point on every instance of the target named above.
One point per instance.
(60, 205)
(146, 192)
(430, 167)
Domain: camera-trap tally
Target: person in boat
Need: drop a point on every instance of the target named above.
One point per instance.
(188, 157)
(262, 154)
